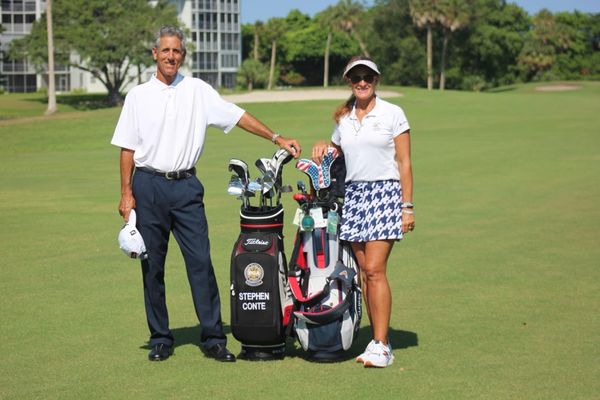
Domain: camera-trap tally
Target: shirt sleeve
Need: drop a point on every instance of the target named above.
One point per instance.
(399, 123)
(125, 134)
(223, 114)
(336, 136)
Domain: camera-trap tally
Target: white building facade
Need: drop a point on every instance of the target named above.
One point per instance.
(213, 50)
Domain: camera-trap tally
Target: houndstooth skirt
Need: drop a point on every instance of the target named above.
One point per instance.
(372, 211)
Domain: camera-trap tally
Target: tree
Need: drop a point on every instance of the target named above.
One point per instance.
(51, 83)
(452, 15)
(302, 51)
(424, 15)
(488, 48)
(275, 28)
(539, 51)
(347, 15)
(103, 38)
(559, 46)
(252, 72)
(395, 43)
(326, 20)
(257, 30)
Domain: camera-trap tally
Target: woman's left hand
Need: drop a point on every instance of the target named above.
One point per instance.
(408, 222)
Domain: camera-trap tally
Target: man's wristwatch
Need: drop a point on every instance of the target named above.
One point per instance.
(274, 137)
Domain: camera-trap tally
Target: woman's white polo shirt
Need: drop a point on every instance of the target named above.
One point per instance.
(368, 147)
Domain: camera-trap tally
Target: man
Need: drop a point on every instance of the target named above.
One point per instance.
(161, 134)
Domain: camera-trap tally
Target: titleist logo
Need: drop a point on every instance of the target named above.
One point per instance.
(256, 241)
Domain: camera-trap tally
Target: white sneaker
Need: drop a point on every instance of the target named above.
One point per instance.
(380, 355)
(370, 347)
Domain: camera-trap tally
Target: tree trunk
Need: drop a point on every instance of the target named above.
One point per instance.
(51, 83)
(250, 85)
(272, 69)
(255, 49)
(326, 61)
(429, 58)
(114, 97)
(361, 44)
(443, 61)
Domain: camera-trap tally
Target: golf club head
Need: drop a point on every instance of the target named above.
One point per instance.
(240, 168)
(235, 187)
(268, 180)
(279, 159)
(264, 165)
(301, 187)
(255, 186)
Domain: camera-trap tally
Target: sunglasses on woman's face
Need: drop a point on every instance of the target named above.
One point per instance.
(369, 78)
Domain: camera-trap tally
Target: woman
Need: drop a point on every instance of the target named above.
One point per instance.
(374, 136)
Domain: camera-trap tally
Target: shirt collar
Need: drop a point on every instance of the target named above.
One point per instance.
(164, 86)
(373, 113)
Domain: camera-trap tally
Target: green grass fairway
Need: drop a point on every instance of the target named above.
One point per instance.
(496, 292)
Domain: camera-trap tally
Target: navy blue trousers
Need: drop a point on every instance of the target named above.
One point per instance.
(177, 206)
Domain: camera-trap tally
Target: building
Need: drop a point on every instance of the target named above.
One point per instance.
(214, 48)
(215, 33)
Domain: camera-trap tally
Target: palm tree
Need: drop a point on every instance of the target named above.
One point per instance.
(257, 30)
(347, 16)
(326, 21)
(453, 15)
(275, 28)
(51, 89)
(424, 15)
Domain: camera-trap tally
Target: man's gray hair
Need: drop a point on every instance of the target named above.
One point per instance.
(169, 31)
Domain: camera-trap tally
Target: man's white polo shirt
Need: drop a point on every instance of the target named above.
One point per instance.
(368, 147)
(166, 124)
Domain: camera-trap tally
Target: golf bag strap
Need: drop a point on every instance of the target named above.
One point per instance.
(310, 300)
(294, 258)
(324, 317)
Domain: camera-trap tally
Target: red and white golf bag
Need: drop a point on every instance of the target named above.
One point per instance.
(324, 276)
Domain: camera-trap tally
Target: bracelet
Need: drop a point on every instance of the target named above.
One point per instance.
(274, 137)
(407, 204)
(409, 212)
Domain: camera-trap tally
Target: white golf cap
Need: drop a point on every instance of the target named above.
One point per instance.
(130, 239)
(366, 63)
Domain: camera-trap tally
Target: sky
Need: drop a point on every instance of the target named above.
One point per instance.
(253, 10)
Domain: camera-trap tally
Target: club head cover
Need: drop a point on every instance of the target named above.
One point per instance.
(320, 176)
(241, 169)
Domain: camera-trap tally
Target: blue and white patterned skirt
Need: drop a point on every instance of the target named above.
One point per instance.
(372, 211)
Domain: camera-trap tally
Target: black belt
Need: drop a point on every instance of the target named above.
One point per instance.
(171, 175)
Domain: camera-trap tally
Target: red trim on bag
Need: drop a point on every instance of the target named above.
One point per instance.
(261, 226)
(287, 315)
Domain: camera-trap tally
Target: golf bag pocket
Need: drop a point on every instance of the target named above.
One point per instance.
(258, 289)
